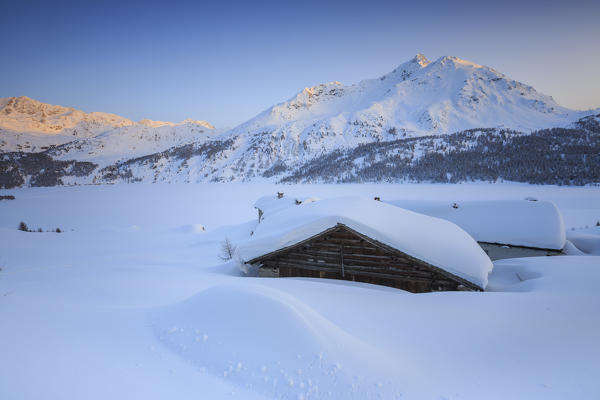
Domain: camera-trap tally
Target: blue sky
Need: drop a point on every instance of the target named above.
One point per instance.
(224, 62)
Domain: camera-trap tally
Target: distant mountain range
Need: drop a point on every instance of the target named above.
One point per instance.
(31, 126)
(445, 121)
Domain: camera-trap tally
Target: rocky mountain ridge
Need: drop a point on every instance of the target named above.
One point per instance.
(29, 125)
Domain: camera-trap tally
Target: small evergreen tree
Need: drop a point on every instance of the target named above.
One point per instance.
(58, 230)
(23, 227)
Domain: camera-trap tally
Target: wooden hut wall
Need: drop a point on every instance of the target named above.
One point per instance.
(341, 254)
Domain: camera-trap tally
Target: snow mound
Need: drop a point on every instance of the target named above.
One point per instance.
(191, 228)
(586, 240)
(433, 240)
(272, 204)
(513, 222)
(565, 274)
(267, 341)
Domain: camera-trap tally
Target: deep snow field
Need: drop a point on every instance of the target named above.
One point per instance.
(131, 301)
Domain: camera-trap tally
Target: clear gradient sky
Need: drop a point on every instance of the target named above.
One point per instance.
(226, 61)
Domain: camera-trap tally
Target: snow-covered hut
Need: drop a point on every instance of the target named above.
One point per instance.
(367, 241)
(275, 203)
(503, 228)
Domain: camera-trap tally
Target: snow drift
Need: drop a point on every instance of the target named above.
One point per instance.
(266, 340)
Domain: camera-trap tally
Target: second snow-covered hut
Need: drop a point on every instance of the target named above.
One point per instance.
(503, 228)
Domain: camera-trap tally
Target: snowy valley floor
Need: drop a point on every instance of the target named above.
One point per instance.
(131, 301)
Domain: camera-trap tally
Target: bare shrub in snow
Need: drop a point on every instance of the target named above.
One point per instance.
(23, 227)
(227, 250)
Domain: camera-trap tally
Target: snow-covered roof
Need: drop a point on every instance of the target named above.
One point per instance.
(526, 223)
(272, 203)
(433, 240)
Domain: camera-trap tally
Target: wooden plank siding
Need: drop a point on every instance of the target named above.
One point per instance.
(342, 253)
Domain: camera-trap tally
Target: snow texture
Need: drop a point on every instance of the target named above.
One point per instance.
(433, 240)
(131, 301)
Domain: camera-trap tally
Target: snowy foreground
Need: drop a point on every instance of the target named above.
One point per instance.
(132, 302)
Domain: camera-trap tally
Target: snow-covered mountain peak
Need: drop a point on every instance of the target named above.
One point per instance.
(23, 114)
(455, 61)
(417, 98)
(24, 104)
(155, 124)
(30, 125)
(198, 122)
(405, 70)
(420, 59)
(308, 95)
(159, 124)
(303, 103)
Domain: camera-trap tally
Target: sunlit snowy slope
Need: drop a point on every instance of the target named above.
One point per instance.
(419, 97)
(32, 126)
